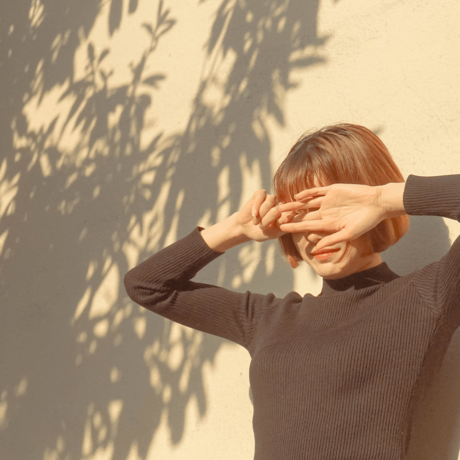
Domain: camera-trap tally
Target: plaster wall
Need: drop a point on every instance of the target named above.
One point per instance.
(124, 124)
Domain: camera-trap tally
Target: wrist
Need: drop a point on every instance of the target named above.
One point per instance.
(391, 199)
(234, 231)
(224, 235)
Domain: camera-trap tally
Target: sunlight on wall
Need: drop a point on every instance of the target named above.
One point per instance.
(172, 234)
(126, 124)
(252, 179)
(270, 260)
(106, 294)
(97, 429)
(224, 194)
(3, 410)
(249, 257)
(10, 400)
(56, 453)
(8, 190)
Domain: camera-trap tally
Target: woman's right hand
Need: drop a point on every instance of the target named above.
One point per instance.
(258, 220)
(260, 217)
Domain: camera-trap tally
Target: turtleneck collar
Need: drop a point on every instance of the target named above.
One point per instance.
(380, 274)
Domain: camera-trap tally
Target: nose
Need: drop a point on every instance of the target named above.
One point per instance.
(315, 237)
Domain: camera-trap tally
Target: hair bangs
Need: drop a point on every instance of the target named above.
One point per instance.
(342, 153)
(298, 173)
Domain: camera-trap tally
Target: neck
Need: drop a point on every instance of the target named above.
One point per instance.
(366, 263)
(377, 274)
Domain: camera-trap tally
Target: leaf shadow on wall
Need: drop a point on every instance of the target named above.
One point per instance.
(226, 136)
(85, 371)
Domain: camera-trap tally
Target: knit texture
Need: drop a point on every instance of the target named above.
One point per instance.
(333, 377)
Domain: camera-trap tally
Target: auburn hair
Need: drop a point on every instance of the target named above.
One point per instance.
(340, 154)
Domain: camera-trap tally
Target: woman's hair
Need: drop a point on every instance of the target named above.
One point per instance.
(340, 154)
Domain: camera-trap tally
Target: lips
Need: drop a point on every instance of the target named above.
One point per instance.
(325, 251)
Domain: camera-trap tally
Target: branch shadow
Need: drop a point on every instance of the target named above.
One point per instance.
(85, 197)
(228, 136)
(84, 371)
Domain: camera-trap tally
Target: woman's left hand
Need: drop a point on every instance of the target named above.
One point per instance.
(347, 211)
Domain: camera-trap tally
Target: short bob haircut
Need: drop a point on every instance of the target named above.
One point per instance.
(340, 154)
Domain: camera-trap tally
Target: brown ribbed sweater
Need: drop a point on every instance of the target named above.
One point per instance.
(335, 376)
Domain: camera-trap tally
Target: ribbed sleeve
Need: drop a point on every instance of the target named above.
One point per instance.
(433, 196)
(439, 282)
(162, 284)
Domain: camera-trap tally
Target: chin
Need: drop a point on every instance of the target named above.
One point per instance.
(332, 275)
(328, 270)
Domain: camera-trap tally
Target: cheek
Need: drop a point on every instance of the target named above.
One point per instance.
(300, 242)
(348, 251)
(296, 237)
(352, 251)
(362, 246)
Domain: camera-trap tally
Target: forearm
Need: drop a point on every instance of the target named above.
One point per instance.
(433, 196)
(224, 235)
(168, 270)
(392, 199)
(163, 284)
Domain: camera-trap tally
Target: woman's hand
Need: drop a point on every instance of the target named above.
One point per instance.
(258, 220)
(347, 211)
(260, 217)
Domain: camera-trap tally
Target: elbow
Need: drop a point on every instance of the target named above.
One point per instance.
(141, 291)
(132, 286)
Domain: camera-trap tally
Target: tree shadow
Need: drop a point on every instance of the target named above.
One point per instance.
(84, 371)
(85, 197)
(226, 138)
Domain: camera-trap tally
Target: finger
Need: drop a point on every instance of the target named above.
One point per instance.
(267, 205)
(292, 206)
(307, 204)
(306, 216)
(272, 225)
(270, 217)
(306, 194)
(330, 240)
(286, 217)
(306, 226)
(259, 198)
(313, 203)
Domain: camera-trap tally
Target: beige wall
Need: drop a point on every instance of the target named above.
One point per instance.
(119, 138)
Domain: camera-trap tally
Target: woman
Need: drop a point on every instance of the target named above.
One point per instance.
(335, 376)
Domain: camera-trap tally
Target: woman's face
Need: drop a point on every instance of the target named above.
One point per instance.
(345, 260)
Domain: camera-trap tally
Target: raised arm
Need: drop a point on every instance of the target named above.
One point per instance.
(438, 282)
(162, 283)
(349, 210)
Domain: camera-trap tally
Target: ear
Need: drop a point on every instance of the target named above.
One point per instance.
(293, 262)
